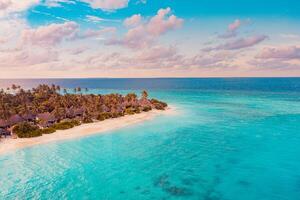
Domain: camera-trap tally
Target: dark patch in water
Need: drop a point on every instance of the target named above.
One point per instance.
(189, 181)
(243, 183)
(137, 188)
(217, 180)
(233, 161)
(211, 194)
(145, 192)
(164, 183)
(178, 191)
(218, 166)
(122, 192)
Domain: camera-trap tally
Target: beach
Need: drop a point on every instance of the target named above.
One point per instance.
(9, 144)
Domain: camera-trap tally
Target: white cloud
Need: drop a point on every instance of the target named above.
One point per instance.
(107, 4)
(12, 6)
(134, 20)
(143, 35)
(96, 19)
(49, 35)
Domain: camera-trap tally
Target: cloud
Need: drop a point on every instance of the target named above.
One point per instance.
(58, 3)
(95, 19)
(49, 35)
(145, 34)
(27, 57)
(235, 25)
(161, 23)
(232, 29)
(284, 53)
(244, 42)
(157, 54)
(91, 33)
(4, 4)
(239, 43)
(107, 4)
(12, 6)
(273, 64)
(132, 21)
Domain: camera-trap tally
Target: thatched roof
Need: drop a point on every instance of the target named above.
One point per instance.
(46, 117)
(73, 112)
(15, 119)
(105, 108)
(70, 113)
(79, 111)
(29, 116)
(3, 123)
(4, 132)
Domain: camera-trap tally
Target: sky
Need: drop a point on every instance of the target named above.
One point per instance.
(149, 38)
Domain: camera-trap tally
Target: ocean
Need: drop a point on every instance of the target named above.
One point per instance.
(229, 139)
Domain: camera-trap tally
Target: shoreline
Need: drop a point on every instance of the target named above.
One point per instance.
(9, 145)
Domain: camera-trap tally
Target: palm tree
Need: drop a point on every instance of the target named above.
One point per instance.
(144, 94)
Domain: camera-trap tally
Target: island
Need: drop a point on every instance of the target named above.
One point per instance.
(45, 110)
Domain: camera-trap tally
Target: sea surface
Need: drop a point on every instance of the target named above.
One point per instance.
(230, 139)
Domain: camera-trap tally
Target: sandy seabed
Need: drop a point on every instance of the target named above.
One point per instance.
(8, 145)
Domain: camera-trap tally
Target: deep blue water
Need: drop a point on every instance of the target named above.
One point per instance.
(230, 139)
(244, 84)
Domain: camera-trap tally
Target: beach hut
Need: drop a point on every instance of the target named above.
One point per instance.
(29, 117)
(15, 119)
(4, 132)
(70, 113)
(46, 119)
(74, 112)
(105, 108)
(79, 112)
(4, 124)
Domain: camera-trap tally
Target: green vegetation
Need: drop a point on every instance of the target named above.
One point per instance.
(159, 105)
(65, 125)
(48, 130)
(26, 130)
(87, 120)
(45, 109)
(147, 109)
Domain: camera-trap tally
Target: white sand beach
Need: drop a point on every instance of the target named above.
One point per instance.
(8, 145)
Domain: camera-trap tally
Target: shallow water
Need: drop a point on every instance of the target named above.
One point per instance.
(220, 145)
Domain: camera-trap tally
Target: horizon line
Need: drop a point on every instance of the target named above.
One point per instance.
(188, 77)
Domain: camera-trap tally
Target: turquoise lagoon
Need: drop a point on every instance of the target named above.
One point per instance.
(223, 144)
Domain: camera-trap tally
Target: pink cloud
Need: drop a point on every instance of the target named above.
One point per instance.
(134, 20)
(235, 25)
(13, 6)
(49, 35)
(285, 53)
(233, 28)
(273, 64)
(239, 43)
(107, 4)
(244, 42)
(4, 4)
(145, 34)
(157, 53)
(28, 57)
(90, 33)
(161, 23)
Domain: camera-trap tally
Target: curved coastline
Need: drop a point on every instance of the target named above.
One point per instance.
(9, 145)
